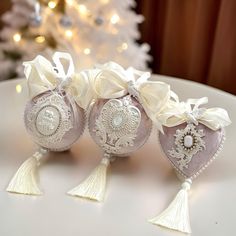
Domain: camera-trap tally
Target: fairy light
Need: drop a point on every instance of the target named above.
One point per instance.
(69, 34)
(82, 9)
(124, 46)
(104, 1)
(69, 2)
(17, 37)
(52, 4)
(18, 88)
(115, 19)
(40, 39)
(87, 51)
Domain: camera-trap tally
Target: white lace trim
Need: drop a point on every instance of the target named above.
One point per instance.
(117, 125)
(184, 151)
(49, 119)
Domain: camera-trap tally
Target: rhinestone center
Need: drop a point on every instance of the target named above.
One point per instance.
(117, 120)
(117, 125)
(188, 141)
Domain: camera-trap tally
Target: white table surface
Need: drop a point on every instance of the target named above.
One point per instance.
(138, 187)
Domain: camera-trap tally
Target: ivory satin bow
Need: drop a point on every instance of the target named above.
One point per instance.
(180, 112)
(43, 76)
(112, 81)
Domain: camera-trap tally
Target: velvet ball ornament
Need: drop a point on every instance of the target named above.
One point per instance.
(119, 126)
(120, 120)
(54, 120)
(54, 116)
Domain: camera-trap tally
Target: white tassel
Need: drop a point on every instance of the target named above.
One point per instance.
(94, 186)
(25, 179)
(176, 216)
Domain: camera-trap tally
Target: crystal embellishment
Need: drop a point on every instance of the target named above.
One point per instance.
(188, 142)
(117, 125)
(49, 119)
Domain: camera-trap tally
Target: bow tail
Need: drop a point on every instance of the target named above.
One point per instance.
(215, 118)
(154, 96)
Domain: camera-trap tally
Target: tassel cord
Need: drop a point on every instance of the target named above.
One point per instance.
(25, 179)
(176, 215)
(93, 187)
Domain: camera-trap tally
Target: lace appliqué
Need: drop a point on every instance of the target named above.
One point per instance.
(49, 119)
(117, 125)
(188, 142)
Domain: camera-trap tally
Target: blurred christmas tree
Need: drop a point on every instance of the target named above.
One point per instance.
(93, 31)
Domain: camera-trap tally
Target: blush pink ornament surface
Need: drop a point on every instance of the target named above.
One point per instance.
(213, 143)
(69, 125)
(143, 130)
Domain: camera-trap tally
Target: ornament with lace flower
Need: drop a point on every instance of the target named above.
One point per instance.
(188, 142)
(54, 116)
(120, 121)
(193, 137)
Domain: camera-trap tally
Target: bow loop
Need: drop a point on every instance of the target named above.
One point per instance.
(40, 75)
(112, 81)
(43, 76)
(81, 88)
(110, 84)
(61, 73)
(215, 118)
(196, 102)
(180, 112)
